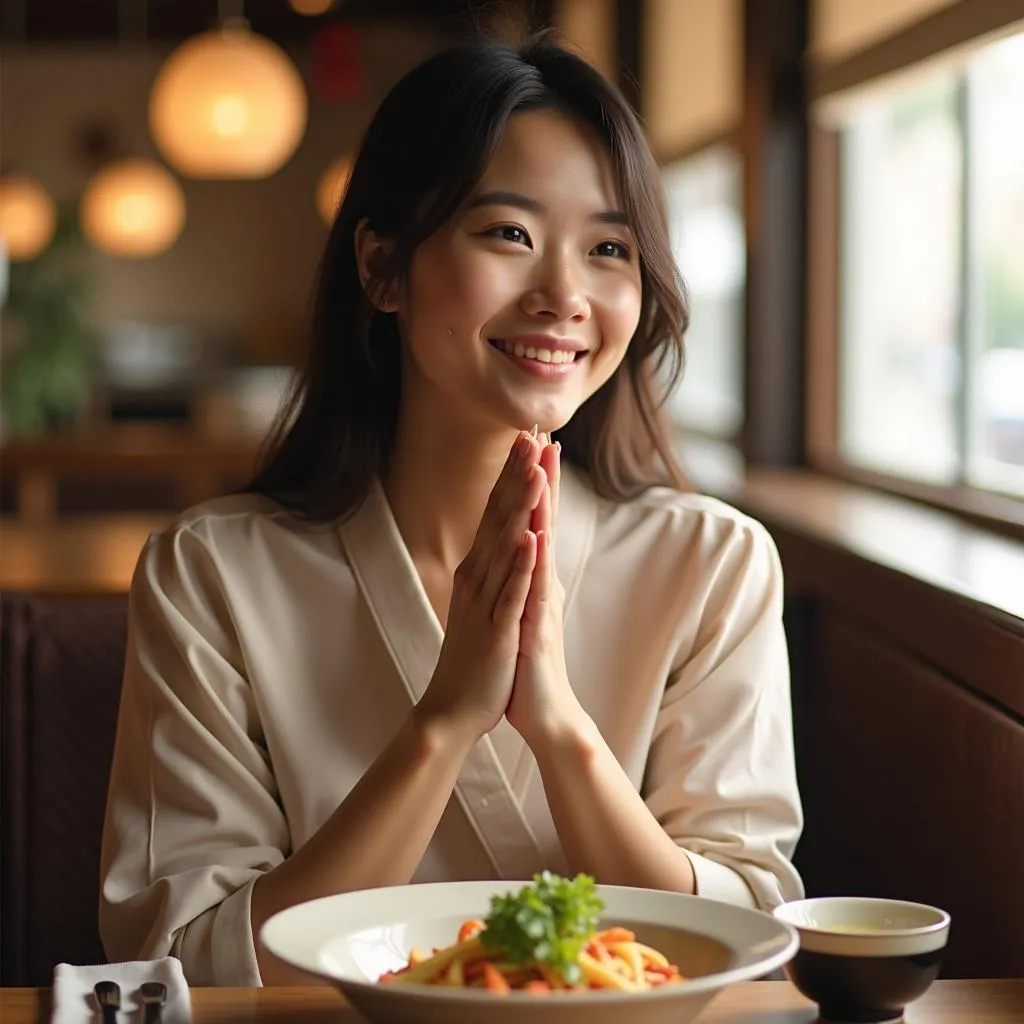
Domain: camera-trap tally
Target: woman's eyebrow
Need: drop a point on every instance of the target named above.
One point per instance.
(518, 200)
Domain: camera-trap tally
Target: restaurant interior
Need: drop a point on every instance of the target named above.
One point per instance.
(844, 182)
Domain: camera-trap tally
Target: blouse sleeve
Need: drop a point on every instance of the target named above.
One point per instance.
(193, 816)
(720, 774)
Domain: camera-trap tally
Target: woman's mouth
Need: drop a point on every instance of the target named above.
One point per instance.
(539, 361)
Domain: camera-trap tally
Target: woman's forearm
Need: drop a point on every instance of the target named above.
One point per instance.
(378, 834)
(604, 826)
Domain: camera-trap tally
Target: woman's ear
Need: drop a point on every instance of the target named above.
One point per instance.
(372, 254)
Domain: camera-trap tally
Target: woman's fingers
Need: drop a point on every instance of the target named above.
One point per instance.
(545, 514)
(500, 561)
(540, 519)
(505, 498)
(542, 523)
(540, 585)
(511, 603)
(552, 463)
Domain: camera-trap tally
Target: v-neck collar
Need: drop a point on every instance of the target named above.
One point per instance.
(398, 601)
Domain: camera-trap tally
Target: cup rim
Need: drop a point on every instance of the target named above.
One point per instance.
(781, 912)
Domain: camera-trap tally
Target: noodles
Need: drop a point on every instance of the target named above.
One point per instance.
(611, 960)
(543, 939)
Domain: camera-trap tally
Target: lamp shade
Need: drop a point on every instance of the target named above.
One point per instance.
(228, 104)
(28, 216)
(133, 208)
(331, 187)
(311, 8)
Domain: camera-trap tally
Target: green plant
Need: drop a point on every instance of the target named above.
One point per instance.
(48, 358)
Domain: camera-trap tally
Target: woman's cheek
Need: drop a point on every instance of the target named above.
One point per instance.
(489, 282)
(621, 303)
(442, 276)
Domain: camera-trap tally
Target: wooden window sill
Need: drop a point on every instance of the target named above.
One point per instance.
(945, 589)
(934, 547)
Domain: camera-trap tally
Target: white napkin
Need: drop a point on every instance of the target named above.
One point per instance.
(74, 1002)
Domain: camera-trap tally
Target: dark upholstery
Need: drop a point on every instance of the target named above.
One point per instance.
(61, 661)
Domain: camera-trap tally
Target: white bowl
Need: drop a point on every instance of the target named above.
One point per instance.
(353, 938)
(863, 960)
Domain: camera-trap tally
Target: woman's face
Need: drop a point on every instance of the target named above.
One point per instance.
(523, 304)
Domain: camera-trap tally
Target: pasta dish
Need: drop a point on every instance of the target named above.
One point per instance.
(540, 941)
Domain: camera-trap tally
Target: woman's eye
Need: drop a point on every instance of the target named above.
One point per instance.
(614, 249)
(510, 233)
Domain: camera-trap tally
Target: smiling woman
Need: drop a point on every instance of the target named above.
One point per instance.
(538, 265)
(404, 653)
(528, 161)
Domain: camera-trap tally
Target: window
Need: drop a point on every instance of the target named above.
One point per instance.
(995, 428)
(931, 367)
(704, 198)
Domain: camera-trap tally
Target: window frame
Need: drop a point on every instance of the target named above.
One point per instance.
(729, 139)
(991, 509)
(959, 24)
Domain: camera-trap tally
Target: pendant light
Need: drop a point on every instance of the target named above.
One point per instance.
(28, 217)
(331, 187)
(228, 103)
(131, 207)
(311, 8)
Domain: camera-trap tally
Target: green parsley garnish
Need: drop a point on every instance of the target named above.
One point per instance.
(548, 922)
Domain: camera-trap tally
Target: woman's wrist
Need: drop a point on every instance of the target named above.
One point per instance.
(438, 729)
(562, 730)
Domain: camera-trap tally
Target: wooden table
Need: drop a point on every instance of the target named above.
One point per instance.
(94, 554)
(759, 1002)
(196, 462)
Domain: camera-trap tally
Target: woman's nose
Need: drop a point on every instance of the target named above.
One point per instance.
(557, 292)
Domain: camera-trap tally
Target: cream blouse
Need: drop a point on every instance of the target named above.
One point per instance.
(270, 661)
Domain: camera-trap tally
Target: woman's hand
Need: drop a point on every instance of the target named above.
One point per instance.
(472, 683)
(542, 699)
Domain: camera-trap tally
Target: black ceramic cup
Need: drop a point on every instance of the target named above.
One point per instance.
(863, 960)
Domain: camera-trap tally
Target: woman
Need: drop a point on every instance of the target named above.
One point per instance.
(466, 623)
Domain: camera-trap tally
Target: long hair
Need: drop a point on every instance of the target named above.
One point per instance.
(427, 146)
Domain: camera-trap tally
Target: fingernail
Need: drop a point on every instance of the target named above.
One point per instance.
(558, 447)
(533, 433)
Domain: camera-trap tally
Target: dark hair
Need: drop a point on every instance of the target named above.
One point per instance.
(428, 144)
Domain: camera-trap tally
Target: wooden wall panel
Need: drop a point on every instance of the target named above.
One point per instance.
(913, 787)
(977, 645)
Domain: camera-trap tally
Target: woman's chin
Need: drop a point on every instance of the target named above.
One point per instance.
(548, 416)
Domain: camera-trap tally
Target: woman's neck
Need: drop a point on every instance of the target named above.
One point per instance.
(438, 481)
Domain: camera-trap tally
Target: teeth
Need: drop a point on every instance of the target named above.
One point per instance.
(543, 355)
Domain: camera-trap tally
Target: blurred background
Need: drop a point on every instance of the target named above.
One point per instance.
(843, 181)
